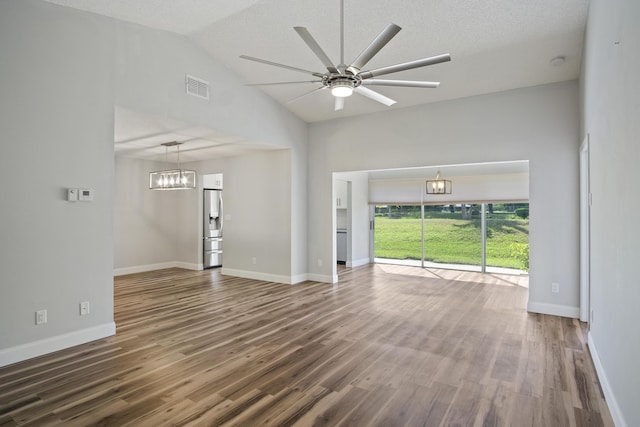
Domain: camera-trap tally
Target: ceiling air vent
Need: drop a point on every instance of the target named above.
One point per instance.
(196, 87)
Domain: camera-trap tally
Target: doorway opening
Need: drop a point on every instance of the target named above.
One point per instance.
(491, 237)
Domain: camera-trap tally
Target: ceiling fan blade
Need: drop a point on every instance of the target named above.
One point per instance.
(339, 104)
(401, 83)
(375, 96)
(315, 47)
(405, 66)
(305, 94)
(283, 83)
(275, 64)
(378, 43)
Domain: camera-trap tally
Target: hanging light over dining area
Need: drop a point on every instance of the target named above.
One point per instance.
(172, 179)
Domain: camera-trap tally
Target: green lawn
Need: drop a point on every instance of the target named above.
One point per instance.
(454, 241)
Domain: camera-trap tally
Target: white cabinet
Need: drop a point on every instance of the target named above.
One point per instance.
(212, 181)
(341, 194)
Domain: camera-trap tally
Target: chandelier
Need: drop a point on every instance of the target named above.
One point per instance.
(438, 185)
(172, 179)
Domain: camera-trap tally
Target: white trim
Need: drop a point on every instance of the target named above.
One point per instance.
(298, 278)
(160, 266)
(612, 403)
(322, 278)
(189, 266)
(358, 262)
(30, 350)
(256, 275)
(553, 309)
(143, 268)
(585, 219)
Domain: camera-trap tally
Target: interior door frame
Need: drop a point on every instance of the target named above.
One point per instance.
(585, 231)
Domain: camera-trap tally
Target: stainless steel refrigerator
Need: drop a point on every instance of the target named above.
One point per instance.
(212, 229)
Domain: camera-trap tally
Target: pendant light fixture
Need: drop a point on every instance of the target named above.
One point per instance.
(438, 185)
(172, 179)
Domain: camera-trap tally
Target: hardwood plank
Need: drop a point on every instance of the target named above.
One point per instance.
(388, 345)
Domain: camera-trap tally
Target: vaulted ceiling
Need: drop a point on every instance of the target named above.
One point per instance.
(495, 45)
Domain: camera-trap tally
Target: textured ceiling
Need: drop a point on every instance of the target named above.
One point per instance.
(495, 45)
(178, 16)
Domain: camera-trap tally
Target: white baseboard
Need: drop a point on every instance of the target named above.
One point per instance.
(189, 266)
(143, 268)
(298, 278)
(159, 266)
(321, 278)
(553, 309)
(30, 350)
(612, 403)
(358, 262)
(256, 275)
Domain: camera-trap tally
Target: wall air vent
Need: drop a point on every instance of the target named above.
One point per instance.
(196, 87)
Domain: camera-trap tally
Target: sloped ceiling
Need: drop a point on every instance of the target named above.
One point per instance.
(495, 45)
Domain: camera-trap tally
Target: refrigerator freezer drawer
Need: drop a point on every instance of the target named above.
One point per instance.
(212, 259)
(212, 244)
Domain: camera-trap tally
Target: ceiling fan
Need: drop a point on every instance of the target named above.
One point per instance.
(343, 80)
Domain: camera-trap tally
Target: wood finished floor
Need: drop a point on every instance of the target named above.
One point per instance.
(387, 346)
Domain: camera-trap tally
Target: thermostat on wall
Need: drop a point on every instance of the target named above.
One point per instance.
(85, 194)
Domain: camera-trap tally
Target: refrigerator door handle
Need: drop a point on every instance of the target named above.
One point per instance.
(221, 213)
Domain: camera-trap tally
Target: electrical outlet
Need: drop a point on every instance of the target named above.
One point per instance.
(84, 308)
(254, 261)
(555, 287)
(41, 317)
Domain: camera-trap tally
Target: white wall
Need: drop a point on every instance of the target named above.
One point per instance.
(610, 91)
(539, 124)
(56, 127)
(65, 70)
(145, 221)
(257, 215)
(478, 189)
(357, 219)
(151, 67)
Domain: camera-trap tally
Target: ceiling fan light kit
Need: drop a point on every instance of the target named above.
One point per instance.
(343, 80)
(341, 88)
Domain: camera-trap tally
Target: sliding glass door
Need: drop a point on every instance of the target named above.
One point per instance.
(453, 235)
